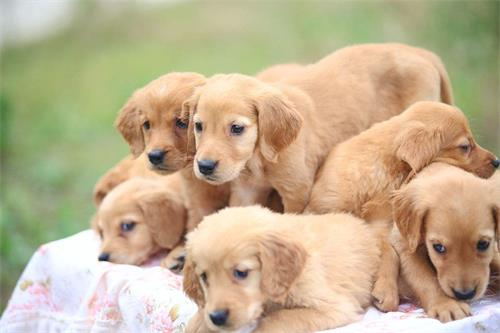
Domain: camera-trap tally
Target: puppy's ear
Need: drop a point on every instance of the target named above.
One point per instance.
(279, 123)
(191, 283)
(282, 262)
(165, 217)
(188, 111)
(418, 145)
(130, 128)
(409, 216)
(106, 183)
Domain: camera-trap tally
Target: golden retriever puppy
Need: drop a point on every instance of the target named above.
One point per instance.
(448, 229)
(261, 135)
(360, 174)
(140, 217)
(278, 72)
(283, 273)
(125, 169)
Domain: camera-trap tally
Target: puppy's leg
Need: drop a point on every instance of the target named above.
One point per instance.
(197, 324)
(385, 290)
(174, 260)
(422, 280)
(302, 320)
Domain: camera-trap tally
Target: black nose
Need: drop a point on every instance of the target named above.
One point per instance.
(219, 317)
(103, 257)
(468, 294)
(207, 167)
(156, 156)
(495, 163)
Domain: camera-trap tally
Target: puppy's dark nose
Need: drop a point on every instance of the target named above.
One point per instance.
(219, 317)
(103, 257)
(495, 163)
(207, 167)
(156, 156)
(464, 295)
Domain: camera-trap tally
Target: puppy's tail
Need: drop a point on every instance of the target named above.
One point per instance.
(445, 85)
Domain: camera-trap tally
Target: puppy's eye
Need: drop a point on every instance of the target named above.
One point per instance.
(439, 248)
(237, 129)
(199, 126)
(240, 275)
(146, 125)
(465, 148)
(180, 124)
(203, 277)
(483, 245)
(127, 226)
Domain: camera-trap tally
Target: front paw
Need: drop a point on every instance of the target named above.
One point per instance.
(174, 261)
(448, 309)
(386, 297)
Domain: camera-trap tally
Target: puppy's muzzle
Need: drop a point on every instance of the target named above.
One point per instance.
(156, 156)
(464, 295)
(207, 167)
(219, 317)
(103, 257)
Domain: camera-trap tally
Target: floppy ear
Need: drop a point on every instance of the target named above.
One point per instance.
(106, 183)
(418, 145)
(282, 262)
(279, 123)
(130, 128)
(188, 110)
(165, 217)
(409, 216)
(191, 283)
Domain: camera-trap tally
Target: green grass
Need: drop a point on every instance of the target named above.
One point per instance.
(59, 96)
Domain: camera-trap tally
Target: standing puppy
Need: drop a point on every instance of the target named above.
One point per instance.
(283, 273)
(261, 135)
(447, 238)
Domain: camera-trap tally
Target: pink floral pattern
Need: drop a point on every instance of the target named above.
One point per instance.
(64, 288)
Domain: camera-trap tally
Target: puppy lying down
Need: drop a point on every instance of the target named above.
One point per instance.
(248, 267)
(447, 238)
(140, 217)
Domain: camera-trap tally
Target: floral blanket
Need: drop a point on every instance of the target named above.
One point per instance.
(65, 289)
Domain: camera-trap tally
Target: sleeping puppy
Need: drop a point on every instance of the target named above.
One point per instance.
(261, 135)
(250, 267)
(448, 229)
(125, 169)
(360, 174)
(140, 217)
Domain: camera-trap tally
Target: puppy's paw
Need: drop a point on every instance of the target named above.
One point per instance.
(174, 261)
(386, 297)
(448, 309)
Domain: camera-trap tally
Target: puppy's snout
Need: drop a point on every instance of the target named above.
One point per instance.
(207, 167)
(219, 317)
(495, 163)
(103, 257)
(156, 156)
(464, 294)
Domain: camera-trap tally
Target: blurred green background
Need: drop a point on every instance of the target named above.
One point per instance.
(59, 95)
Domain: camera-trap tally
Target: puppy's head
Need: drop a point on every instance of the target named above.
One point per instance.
(151, 120)
(137, 219)
(232, 116)
(455, 216)
(436, 132)
(236, 264)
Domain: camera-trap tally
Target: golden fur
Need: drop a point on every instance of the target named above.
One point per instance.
(447, 206)
(289, 126)
(304, 273)
(127, 168)
(157, 211)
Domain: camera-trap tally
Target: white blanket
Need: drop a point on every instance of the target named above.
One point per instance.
(65, 289)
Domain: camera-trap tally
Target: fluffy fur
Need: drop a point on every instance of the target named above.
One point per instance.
(301, 273)
(155, 211)
(289, 126)
(447, 206)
